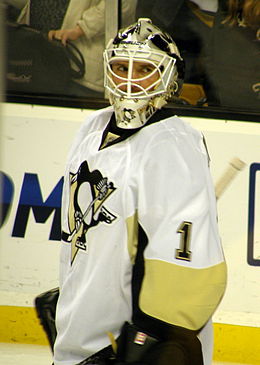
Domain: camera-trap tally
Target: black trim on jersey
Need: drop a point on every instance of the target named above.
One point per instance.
(123, 134)
(154, 327)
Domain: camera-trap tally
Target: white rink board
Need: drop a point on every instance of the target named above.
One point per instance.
(226, 140)
(34, 142)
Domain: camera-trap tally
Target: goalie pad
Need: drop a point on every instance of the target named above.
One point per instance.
(45, 305)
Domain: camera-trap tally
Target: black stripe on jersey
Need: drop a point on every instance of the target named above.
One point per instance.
(187, 339)
(123, 134)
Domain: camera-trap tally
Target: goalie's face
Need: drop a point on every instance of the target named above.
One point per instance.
(135, 78)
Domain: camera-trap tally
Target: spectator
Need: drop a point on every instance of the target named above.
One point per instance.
(190, 24)
(82, 22)
(232, 63)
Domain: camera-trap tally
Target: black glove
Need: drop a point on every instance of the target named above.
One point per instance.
(138, 348)
(133, 344)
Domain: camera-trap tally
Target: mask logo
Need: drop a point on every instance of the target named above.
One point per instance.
(129, 114)
(88, 192)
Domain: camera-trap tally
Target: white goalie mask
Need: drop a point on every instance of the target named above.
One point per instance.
(143, 69)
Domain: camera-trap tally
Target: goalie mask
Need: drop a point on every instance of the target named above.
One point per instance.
(143, 69)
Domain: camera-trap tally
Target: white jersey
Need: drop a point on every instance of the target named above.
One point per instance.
(155, 187)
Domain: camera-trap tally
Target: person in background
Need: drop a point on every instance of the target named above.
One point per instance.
(245, 13)
(82, 22)
(190, 24)
(232, 72)
(142, 268)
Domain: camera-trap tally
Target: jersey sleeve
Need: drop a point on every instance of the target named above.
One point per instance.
(184, 273)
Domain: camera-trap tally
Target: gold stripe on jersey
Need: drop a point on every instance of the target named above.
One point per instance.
(179, 295)
(132, 236)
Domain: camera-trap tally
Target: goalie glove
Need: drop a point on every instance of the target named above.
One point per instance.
(136, 347)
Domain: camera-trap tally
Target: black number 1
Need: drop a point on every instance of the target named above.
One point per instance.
(184, 253)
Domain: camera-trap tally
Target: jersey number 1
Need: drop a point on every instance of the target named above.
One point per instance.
(184, 253)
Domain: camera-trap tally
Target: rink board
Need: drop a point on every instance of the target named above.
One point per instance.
(34, 143)
(232, 343)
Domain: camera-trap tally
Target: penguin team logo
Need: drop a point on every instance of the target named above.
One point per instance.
(129, 114)
(88, 192)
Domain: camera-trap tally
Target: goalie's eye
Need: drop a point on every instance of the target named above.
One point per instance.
(120, 68)
(144, 69)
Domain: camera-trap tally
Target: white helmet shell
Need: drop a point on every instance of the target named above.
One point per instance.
(135, 100)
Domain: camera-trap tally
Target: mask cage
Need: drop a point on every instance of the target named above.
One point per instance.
(161, 62)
